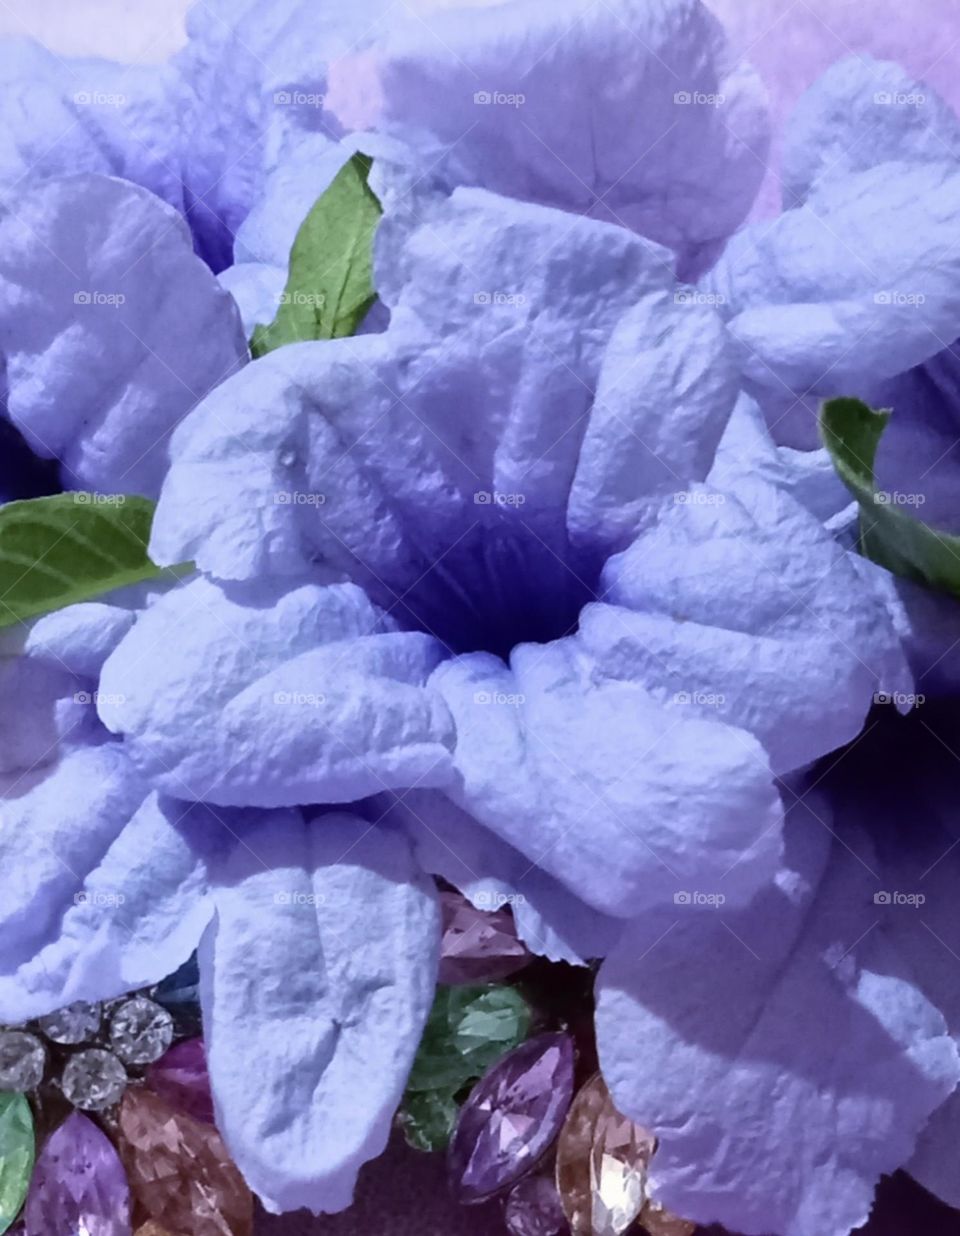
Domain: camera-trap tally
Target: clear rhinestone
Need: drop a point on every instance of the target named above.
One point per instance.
(94, 1079)
(77, 1023)
(141, 1031)
(23, 1060)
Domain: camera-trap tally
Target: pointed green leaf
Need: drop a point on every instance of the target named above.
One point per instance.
(17, 1150)
(889, 535)
(330, 282)
(68, 548)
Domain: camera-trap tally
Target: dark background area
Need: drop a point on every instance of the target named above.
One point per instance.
(405, 1194)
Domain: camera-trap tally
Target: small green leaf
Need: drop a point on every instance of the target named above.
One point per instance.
(68, 548)
(330, 282)
(889, 535)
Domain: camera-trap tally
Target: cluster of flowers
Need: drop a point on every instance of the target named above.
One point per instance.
(639, 688)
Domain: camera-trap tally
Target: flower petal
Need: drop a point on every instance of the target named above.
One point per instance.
(113, 330)
(791, 1062)
(549, 919)
(639, 115)
(266, 697)
(316, 979)
(745, 608)
(137, 915)
(592, 781)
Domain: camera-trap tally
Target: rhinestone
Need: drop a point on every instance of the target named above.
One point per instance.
(23, 1060)
(94, 1079)
(77, 1023)
(140, 1031)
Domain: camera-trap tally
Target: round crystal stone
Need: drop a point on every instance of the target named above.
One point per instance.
(140, 1031)
(77, 1023)
(23, 1060)
(94, 1079)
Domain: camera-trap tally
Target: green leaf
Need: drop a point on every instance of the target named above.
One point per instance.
(330, 282)
(889, 535)
(68, 548)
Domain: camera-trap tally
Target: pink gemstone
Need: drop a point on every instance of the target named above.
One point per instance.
(477, 947)
(180, 1076)
(533, 1208)
(511, 1117)
(78, 1185)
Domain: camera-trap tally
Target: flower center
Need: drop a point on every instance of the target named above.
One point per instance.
(498, 586)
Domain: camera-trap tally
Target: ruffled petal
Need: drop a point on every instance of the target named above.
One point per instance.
(741, 606)
(550, 920)
(638, 114)
(272, 698)
(138, 913)
(316, 980)
(598, 785)
(56, 826)
(860, 114)
(112, 330)
(787, 1058)
(84, 115)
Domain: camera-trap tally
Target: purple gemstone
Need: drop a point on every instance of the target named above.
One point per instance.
(478, 946)
(78, 1185)
(511, 1117)
(180, 1076)
(533, 1209)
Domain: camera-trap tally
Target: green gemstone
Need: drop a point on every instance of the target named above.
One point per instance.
(17, 1147)
(469, 1028)
(427, 1118)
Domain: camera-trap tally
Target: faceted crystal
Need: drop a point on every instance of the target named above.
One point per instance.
(94, 1079)
(180, 1172)
(511, 1117)
(533, 1209)
(180, 1077)
(602, 1160)
(79, 1185)
(659, 1222)
(17, 1146)
(469, 1028)
(427, 1118)
(77, 1023)
(23, 1060)
(152, 1229)
(477, 946)
(140, 1031)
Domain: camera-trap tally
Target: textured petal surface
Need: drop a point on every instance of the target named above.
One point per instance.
(819, 301)
(593, 781)
(744, 608)
(112, 330)
(549, 919)
(793, 1062)
(55, 826)
(67, 116)
(637, 113)
(138, 914)
(317, 979)
(264, 697)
